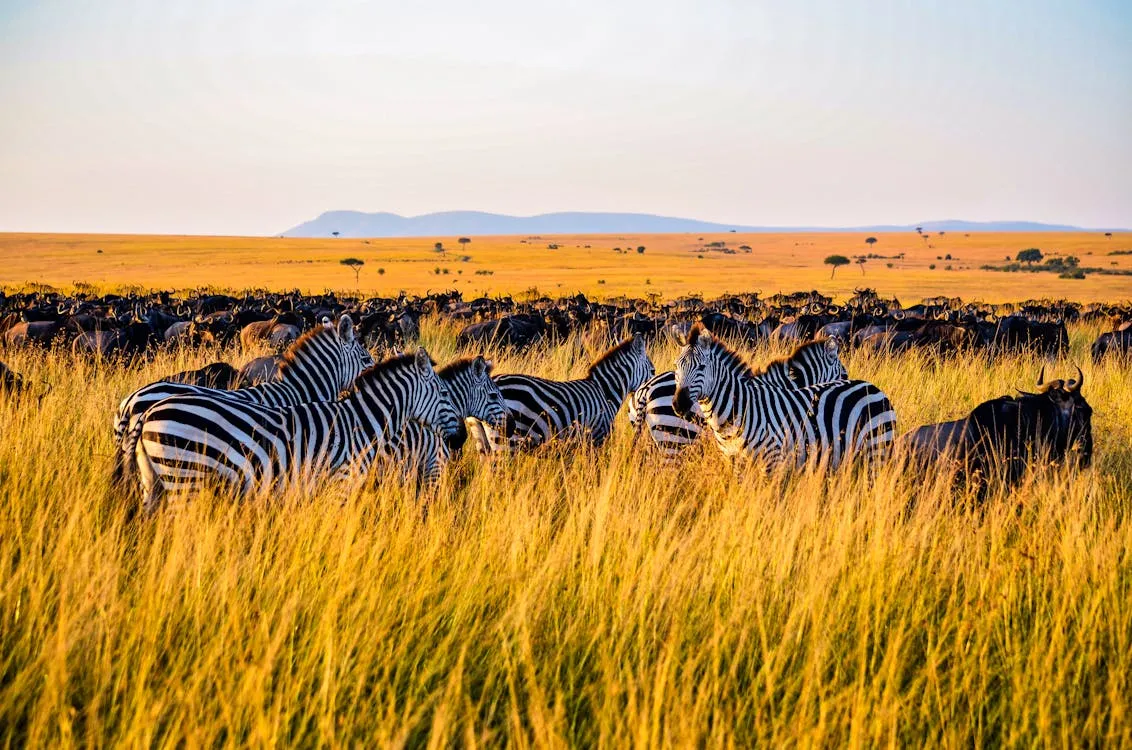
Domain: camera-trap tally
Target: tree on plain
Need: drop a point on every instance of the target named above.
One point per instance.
(861, 262)
(1029, 255)
(355, 265)
(438, 247)
(870, 241)
(835, 261)
(335, 233)
(464, 240)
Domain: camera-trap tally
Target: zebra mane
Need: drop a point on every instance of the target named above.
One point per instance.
(296, 350)
(798, 352)
(385, 367)
(611, 354)
(729, 356)
(456, 367)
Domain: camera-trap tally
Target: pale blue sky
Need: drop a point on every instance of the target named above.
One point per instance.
(222, 116)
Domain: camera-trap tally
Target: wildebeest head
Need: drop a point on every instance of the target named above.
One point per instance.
(1055, 421)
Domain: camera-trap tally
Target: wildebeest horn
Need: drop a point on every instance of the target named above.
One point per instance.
(1073, 386)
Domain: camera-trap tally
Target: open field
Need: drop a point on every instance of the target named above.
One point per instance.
(575, 597)
(670, 265)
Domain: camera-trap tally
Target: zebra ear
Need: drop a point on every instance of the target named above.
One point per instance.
(422, 360)
(479, 367)
(346, 328)
(638, 342)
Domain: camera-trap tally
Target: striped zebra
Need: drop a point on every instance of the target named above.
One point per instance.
(475, 395)
(539, 410)
(826, 423)
(422, 449)
(320, 365)
(651, 405)
(197, 439)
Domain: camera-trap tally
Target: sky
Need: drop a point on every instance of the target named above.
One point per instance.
(251, 116)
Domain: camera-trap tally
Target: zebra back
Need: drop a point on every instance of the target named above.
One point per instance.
(539, 409)
(189, 440)
(783, 425)
(652, 404)
(320, 365)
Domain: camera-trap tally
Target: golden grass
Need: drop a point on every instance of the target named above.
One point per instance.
(669, 267)
(578, 597)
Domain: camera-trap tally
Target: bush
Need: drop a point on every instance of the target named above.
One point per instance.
(1029, 255)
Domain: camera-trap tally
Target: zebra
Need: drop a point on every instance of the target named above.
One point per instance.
(827, 423)
(197, 439)
(475, 396)
(539, 410)
(810, 364)
(422, 448)
(320, 365)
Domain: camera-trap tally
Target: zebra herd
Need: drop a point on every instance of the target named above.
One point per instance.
(333, 414)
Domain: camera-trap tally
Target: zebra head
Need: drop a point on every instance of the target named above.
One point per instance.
(355, 356)
(697, 370)
(623, 369)
(474, 394)
(817, 362)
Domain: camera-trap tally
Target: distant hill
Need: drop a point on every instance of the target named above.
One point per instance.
(360, 224)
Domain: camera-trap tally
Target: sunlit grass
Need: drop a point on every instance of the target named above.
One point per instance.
(572, 597)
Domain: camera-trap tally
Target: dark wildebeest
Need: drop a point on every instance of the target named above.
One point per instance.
(219, 375)
(279, 334)
(41, 332)
(10, 382)
(1005, 435)
(258, 371)
(1118, 343)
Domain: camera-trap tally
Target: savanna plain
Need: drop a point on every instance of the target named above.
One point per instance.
(573, 596)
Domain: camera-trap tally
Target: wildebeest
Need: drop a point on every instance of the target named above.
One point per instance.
(259, 371)
(220, 375)
(1117, 342)
(10, 382)
(1005, 435)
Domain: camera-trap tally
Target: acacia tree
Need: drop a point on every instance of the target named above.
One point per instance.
(835, 261)
(464, 240)
(438, 247)
(861, 263)
(870, 241)
(1029, 255)
(335, 233)
(355, 265)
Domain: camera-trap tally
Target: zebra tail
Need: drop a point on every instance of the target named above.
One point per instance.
(124, 475)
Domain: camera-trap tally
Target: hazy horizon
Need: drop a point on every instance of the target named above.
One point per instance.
(248, 118)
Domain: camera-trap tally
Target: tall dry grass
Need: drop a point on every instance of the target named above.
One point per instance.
(575, 597)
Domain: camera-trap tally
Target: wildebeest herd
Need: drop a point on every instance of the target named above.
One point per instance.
(323, 408)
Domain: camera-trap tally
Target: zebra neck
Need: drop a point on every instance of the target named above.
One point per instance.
(725, 405)
(612, 381)
(458, 391)
(311, 381)
(374, 417)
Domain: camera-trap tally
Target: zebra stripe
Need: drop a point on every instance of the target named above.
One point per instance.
(540, 410)
(651, 405)
(192, 440)
(317, 367)
(827, 423)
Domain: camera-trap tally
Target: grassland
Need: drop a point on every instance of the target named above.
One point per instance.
(671, 265)
(576, 597)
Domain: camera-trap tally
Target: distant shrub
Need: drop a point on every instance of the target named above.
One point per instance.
(601, 281)
(931, 267)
